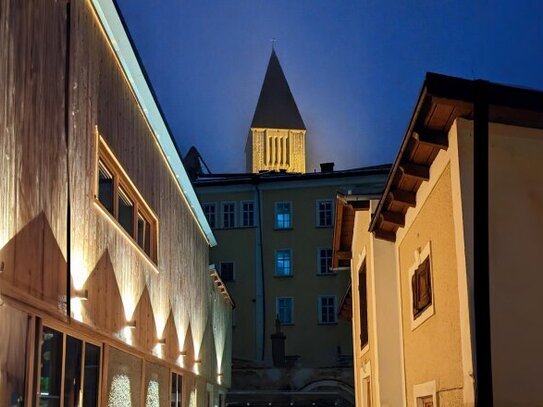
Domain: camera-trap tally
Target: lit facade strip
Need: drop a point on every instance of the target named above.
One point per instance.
(118, 38)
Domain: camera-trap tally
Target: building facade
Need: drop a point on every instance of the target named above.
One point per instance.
(274, 226)
(106, 295)
(459, 224)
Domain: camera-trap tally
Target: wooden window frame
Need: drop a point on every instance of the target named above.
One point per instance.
(39, 324)
(363, 305)
(121, 180)
(419, 316)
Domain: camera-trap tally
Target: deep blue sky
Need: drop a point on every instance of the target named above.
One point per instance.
(355, 67)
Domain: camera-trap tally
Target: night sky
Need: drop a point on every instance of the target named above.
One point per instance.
(355, 68)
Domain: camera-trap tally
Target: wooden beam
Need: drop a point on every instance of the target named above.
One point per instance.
(393, 217)
(344, 255)
(404, 197)
(385, 235)
(359, 205)
(432, 138)
(416, 170)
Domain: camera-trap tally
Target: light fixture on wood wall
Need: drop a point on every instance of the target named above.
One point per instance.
(162, 341)
(131, 324)
(82, 294)
(183, 353)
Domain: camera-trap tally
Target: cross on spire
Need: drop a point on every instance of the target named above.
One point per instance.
(273, 41)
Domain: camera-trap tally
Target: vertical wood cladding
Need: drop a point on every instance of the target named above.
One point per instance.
(32, 147)
(33, 201)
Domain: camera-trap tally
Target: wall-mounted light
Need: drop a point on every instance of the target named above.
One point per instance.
(183, 353)
(82, 295)
(162, 341)
(131, 324)
(1, 301)
(198, 361)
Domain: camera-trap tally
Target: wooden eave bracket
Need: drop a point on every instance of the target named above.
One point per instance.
(415, 170)
(395, 218)
(403, 197)
(344, 255)
(432, 138)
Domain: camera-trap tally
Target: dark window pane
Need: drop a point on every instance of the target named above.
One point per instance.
(105, 187)
(173, 395)
(179, 390)
(92, 375)
(72, 376)
(144, 234)
(126, 212)
(227, 271)
(51, 368)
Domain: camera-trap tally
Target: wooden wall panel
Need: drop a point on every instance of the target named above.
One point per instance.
(32, 145)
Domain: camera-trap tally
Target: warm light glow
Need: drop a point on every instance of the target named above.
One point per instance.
(219, 378)
(78, 269)
(77, 309)
(158, 350)
(82, 295)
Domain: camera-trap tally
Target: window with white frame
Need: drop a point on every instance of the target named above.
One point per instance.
(247, 213)
(210, 212)
(226, 271)
(228, 214)
(283, 216)
(283, 263)
(327, 309)
(324, 261)
(324, 212)
(284, 310)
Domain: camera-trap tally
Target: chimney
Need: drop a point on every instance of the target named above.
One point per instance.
(327, 167)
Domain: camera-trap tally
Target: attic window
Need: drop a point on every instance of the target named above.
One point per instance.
(118, 197)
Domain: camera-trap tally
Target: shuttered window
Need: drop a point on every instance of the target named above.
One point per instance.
(422, 288)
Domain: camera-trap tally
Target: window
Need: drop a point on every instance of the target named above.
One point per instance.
(327, 309)
(58, 349)
(363, 304)
(283, 215)
(325, 261)
(227, 271)
(283, 263)
(247, 213)
(284, 306)
(228, 214)
(324, 212)
(118, 196)
(422, 288)
(210, 212)
(177, 390)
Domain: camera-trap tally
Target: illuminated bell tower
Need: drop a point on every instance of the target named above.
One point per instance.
(276, 140)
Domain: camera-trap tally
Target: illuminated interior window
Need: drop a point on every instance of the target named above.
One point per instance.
(119, 197)
(282, 215)
(284, 310)
(283, 264)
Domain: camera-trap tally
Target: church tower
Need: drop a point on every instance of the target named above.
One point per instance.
(276, 139)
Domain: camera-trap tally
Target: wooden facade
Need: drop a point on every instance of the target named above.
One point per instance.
(61, 88)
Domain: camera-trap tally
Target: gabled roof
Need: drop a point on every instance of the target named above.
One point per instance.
(276, 107)
(442, 100)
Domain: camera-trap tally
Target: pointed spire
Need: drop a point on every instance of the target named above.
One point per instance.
(276, 107)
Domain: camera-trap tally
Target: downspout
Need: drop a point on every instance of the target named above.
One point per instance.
(481, 275)
(261, 286)
(67, 143)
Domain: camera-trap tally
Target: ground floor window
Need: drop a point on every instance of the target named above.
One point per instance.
(177, 390)
(63, 359)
